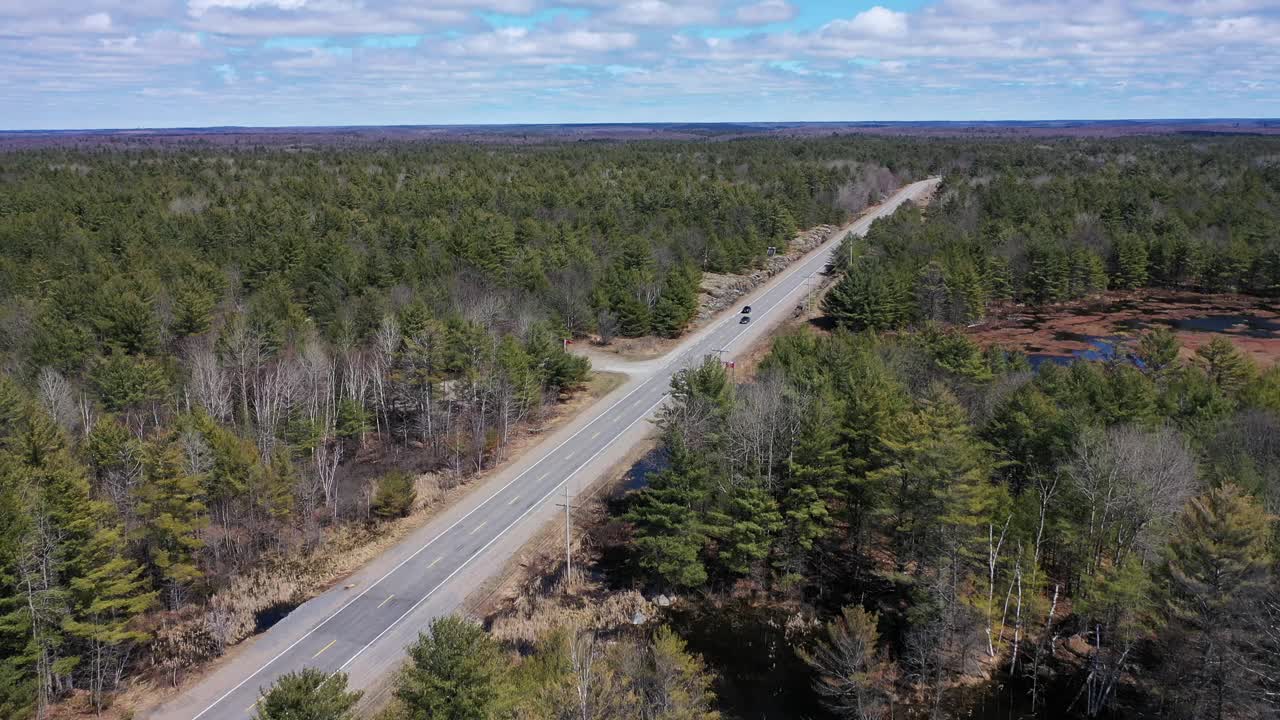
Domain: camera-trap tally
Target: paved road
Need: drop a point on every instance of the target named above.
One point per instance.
(362, 626)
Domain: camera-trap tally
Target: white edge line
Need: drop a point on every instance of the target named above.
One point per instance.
(375, 583)
(498, 537)
(417, 552)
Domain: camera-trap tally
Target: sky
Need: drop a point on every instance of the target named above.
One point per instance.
(198, 63)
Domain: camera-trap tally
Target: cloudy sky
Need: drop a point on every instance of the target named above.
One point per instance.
(162, 63)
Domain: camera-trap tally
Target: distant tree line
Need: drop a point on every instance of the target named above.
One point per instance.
(1059, 224)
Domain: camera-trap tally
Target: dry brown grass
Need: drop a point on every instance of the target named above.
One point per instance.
(186, 642)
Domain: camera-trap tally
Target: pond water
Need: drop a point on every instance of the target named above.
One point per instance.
(1102, 348)
(1250, 325)
(759, 676)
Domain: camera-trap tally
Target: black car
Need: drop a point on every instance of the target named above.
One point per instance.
(746, 310)
(744, 320)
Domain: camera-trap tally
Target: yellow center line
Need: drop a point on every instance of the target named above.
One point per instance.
(513, 500)
(596, 435)
(326, 647)
(254, 705)
(384, 602)
(477, 528)
(433, 562)
(543, 476)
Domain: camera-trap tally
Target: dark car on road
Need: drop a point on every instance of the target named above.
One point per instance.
(744, 320)
(746, 309)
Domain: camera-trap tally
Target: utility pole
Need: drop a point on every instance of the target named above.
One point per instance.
(568, 545)
(568, 542)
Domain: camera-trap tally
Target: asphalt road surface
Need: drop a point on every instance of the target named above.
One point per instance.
(362, 625)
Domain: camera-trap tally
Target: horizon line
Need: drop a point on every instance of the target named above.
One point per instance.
(669, 123)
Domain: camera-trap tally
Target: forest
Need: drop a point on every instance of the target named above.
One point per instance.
(213, 358)
(1095, 540)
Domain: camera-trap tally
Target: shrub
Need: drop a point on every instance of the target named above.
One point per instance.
(395, 496)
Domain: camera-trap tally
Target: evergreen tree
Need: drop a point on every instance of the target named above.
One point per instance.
(1158, 350)
(173, 516)
(108, 593)
(935, 481)
(1218, 566)
(18, 659)
(125, 381)
(869, 297)
(672, 683)
(1226, 366)
(634, 317)
(745, 528)
(851, 679)
(192, 311)
(395, 496)
(308, 694)
(666, 515)
(815, 479)
(454, 673)
(1130, 262)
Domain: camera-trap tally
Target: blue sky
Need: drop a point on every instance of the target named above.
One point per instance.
(166, 63)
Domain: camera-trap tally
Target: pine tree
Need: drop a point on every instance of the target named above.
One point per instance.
(108, 593)
(933, 294)
(308, 694)
(1130, 262)
(666, 516)
(1226, 366)
(1218, 566)
(874, 403)
(851, 679)
(1048, 273)
(53, 493)
(192, 311)
(17, 651)
(935, 480)
(745, 528)
(815, 481)
(634, 317)
(674, 684)
(173, 516)
(394, 497)
(1158, 350)
(455, 672)
(817, 460)
(870, 297)
(673, 308)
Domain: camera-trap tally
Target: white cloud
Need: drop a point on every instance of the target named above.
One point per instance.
(879, 22)
(663, 13)
(200, 7)
(523, 42)
(765, 12)
(96, 22)
(1209, 7)
(617, 55)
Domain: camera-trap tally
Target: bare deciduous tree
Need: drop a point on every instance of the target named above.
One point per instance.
(209, 382)
(763, 426)
(58, 400)
(1132, 483)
